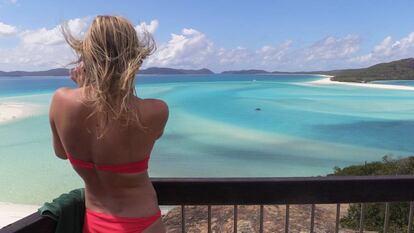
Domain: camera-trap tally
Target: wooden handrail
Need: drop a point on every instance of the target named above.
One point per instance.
(298, 190)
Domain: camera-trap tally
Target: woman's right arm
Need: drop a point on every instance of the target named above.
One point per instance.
(57, 143)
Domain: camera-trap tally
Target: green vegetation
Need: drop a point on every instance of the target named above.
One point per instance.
(396, 70)
(374, 212)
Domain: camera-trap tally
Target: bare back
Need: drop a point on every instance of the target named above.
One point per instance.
(129, 195)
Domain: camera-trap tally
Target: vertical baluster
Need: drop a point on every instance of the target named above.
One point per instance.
(361, 219)
(235, 218)
(338, 214)
(386, 217)
(287, 219)
(410, 217)
(209, 219)
(312, 226)
(261, 219)
(182, 218)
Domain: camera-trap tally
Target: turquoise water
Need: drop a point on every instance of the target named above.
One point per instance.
(215, 130)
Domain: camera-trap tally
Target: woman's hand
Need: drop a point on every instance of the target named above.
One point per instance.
(77, 74)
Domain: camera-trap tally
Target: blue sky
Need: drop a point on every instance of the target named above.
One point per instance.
(221, 35)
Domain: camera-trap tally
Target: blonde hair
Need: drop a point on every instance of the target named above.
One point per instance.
(112, 52)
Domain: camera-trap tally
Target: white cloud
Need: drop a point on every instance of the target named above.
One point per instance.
(285, 57)
(192, 49)
(7, 30)
(388, 50)
(151, 27)
(189, 49)
(42, 48)
(332, 48)
(271, 55)
(236, 57)
(44, 36)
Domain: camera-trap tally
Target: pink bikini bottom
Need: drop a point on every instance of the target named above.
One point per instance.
(104, 223)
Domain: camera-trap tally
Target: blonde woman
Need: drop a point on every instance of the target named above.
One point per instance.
(106, 132)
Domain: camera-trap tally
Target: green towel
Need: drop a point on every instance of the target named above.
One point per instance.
(68, 210)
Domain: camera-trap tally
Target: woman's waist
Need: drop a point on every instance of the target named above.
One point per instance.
(127, 202)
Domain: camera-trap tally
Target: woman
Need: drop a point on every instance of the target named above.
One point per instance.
(106, 132)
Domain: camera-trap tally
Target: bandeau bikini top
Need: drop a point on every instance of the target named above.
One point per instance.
(134, 167)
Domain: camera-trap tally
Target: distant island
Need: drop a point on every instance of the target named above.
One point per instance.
(246, 72)
(65, 72)
(396, 70)
(158, 70)
(52, 72)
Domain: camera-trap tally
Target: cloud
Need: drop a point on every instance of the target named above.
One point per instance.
(45, 48)
(189, 49)
(44, 36)
(192, 49)
(271, 55)
(7, 30)
(42, 48)
(388, 50)
(151, 27)
(234, 57)
(285, 56)
(332, 48)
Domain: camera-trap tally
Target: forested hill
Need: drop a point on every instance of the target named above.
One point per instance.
(396, 70)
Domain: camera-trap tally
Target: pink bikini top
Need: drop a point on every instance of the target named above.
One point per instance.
(134, 167)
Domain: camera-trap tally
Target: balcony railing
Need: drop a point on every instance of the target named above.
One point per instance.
(266, 191)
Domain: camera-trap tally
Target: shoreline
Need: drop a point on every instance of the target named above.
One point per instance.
(12, 111)
(327, 81)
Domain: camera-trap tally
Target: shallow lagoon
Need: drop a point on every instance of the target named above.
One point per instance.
(215, 130)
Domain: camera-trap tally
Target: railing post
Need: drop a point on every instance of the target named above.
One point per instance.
(361, 219)
(410, 217)
(312, 223)
(182, 218)
(287, 219)
(261, 219)
(209, 219)
(235, 218)
(338, 215)
(386, 217)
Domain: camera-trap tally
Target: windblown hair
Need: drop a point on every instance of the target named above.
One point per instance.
(112, 52)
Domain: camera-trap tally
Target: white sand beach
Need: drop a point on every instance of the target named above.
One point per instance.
(327, 81)
(10, 212)
(10, 111)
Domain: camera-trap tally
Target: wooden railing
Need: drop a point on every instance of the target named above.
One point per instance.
(265, 191)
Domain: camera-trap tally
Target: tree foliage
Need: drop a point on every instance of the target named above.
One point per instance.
(374, 213)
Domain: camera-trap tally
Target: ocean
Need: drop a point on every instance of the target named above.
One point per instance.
(219, 126)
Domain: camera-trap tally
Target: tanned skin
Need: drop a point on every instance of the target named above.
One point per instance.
(74, 132)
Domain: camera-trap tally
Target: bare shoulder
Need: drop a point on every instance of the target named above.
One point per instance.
(158, 105)
(62, 99)
(62, 94)
(154, 106)
(155, 112)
